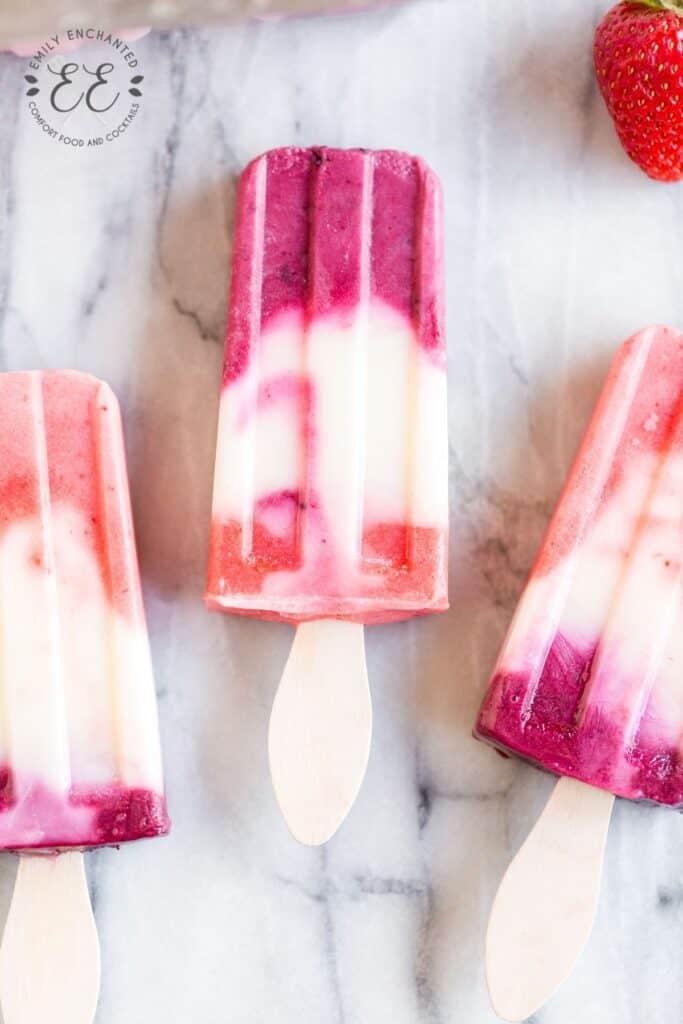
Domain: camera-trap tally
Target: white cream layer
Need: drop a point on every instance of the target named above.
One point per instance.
(621, 586)
(379, 449)
(77, 701)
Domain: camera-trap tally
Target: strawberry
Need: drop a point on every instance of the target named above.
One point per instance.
(638, 57)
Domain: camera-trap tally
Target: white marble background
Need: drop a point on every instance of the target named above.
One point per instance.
(116, 261)
(19, 19)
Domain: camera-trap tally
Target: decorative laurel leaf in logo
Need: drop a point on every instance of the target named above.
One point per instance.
(136, 81)
(32, 80)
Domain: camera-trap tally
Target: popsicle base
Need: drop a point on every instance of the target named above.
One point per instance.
(590, 751)
(402, 574)
(33, 817)
(337, 611)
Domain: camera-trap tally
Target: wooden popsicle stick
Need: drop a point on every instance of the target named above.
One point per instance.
(50, 954)
(545, 907)
(320, 729)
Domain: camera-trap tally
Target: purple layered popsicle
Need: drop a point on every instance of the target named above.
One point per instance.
(589, 683)
(330, 496)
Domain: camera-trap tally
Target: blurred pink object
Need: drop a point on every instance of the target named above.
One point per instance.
(27, 47)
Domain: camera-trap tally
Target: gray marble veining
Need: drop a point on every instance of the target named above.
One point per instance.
(116, 260)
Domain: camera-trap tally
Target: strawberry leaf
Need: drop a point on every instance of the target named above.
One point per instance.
(660, 5)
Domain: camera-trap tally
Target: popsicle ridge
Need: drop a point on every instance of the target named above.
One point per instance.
(590, 679)
(330, 496)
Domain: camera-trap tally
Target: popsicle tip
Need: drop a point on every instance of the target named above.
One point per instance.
(506, 976)
(320, 154)
(313, 833)
(507, 990)
(544, 910)
(315, 812)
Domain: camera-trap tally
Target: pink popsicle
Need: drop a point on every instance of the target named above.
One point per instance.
(80, 762)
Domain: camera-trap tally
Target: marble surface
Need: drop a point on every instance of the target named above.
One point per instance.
(115, 260)
(19, 19)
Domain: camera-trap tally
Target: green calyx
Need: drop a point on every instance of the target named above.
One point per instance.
(660, 5)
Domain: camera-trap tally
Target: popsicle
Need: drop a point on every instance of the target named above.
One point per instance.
(80, 763)
(330, 505)
(589, 684)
